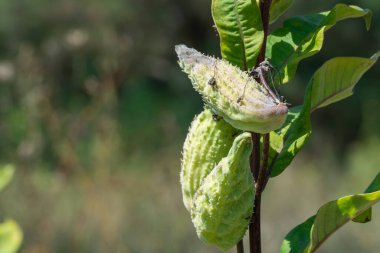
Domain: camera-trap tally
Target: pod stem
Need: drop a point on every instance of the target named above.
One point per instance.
(260, 172)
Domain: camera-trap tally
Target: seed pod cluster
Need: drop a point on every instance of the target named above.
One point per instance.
(223, 204)
(231, 93)
(208, 141)
(216, 180)
(217, 184)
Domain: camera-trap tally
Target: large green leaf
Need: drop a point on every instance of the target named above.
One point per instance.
(309, 235)
(367, 215)
(240, 30)
(277, 8)
(375, 185)
(332, 82)
(10, 236)
(301, 37)
(6, 173)
(286, 142)
(337, 78)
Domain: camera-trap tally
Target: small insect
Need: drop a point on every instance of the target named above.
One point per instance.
(216, 117)
(266, 65)
(240, 99)
(254, 73)
(283, 101)
(212, 81)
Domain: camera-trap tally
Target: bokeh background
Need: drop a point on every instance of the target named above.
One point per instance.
(94, 111)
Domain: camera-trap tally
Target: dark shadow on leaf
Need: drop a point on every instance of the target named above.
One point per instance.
(298, 238)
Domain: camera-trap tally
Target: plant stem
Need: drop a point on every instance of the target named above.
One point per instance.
(262, 179)
(240, 247)
(255, 157)
(254, 228)
(263, 174)
(264, 9)
(260, 174)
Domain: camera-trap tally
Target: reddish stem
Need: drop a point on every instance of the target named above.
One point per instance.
(260, 174)
(240, 247)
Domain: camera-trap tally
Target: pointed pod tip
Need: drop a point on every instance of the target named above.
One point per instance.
(242, 145)
(182, 49)
(281, 109)
(179, 47)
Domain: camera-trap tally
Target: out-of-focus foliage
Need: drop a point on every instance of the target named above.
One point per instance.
(77, 75)
(10, 236)
(94, 110)
(308, 236)
(10, 232)
(6, 174)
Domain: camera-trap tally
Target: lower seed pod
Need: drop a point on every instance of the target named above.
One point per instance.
(231, 93)
(223, 204)
(208, 141)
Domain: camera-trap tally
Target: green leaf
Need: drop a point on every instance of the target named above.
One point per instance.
(375, 185)
(367, 215)
(337, 78)
(309, 235)
(290, 138)
(301, 37)
(298, 238)
(240, 30)
(6, 174)
(277, 8)
(332, 82)
(10, 236)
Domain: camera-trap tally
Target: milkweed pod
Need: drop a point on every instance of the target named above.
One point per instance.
(208, 141)
(234, 95)
(223, 204)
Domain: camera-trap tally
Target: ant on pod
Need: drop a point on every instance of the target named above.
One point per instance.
(216, 117)
(212, 80)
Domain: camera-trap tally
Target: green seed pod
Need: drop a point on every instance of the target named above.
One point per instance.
(231, 93)
(208, 141)
(223, 204)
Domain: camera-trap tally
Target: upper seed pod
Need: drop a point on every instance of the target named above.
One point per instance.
(208, 141)
(231, 93)
(223, 204)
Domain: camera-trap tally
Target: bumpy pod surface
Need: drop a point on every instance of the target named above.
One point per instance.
(208, 141)
(223, 204)
(231, 93)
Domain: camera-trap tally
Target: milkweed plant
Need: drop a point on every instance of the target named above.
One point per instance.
(247, 133)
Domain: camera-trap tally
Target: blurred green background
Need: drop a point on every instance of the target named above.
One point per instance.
(94, 111)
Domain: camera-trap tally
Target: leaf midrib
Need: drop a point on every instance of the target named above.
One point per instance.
(338, 227)
(241, 35)
(330, 97)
